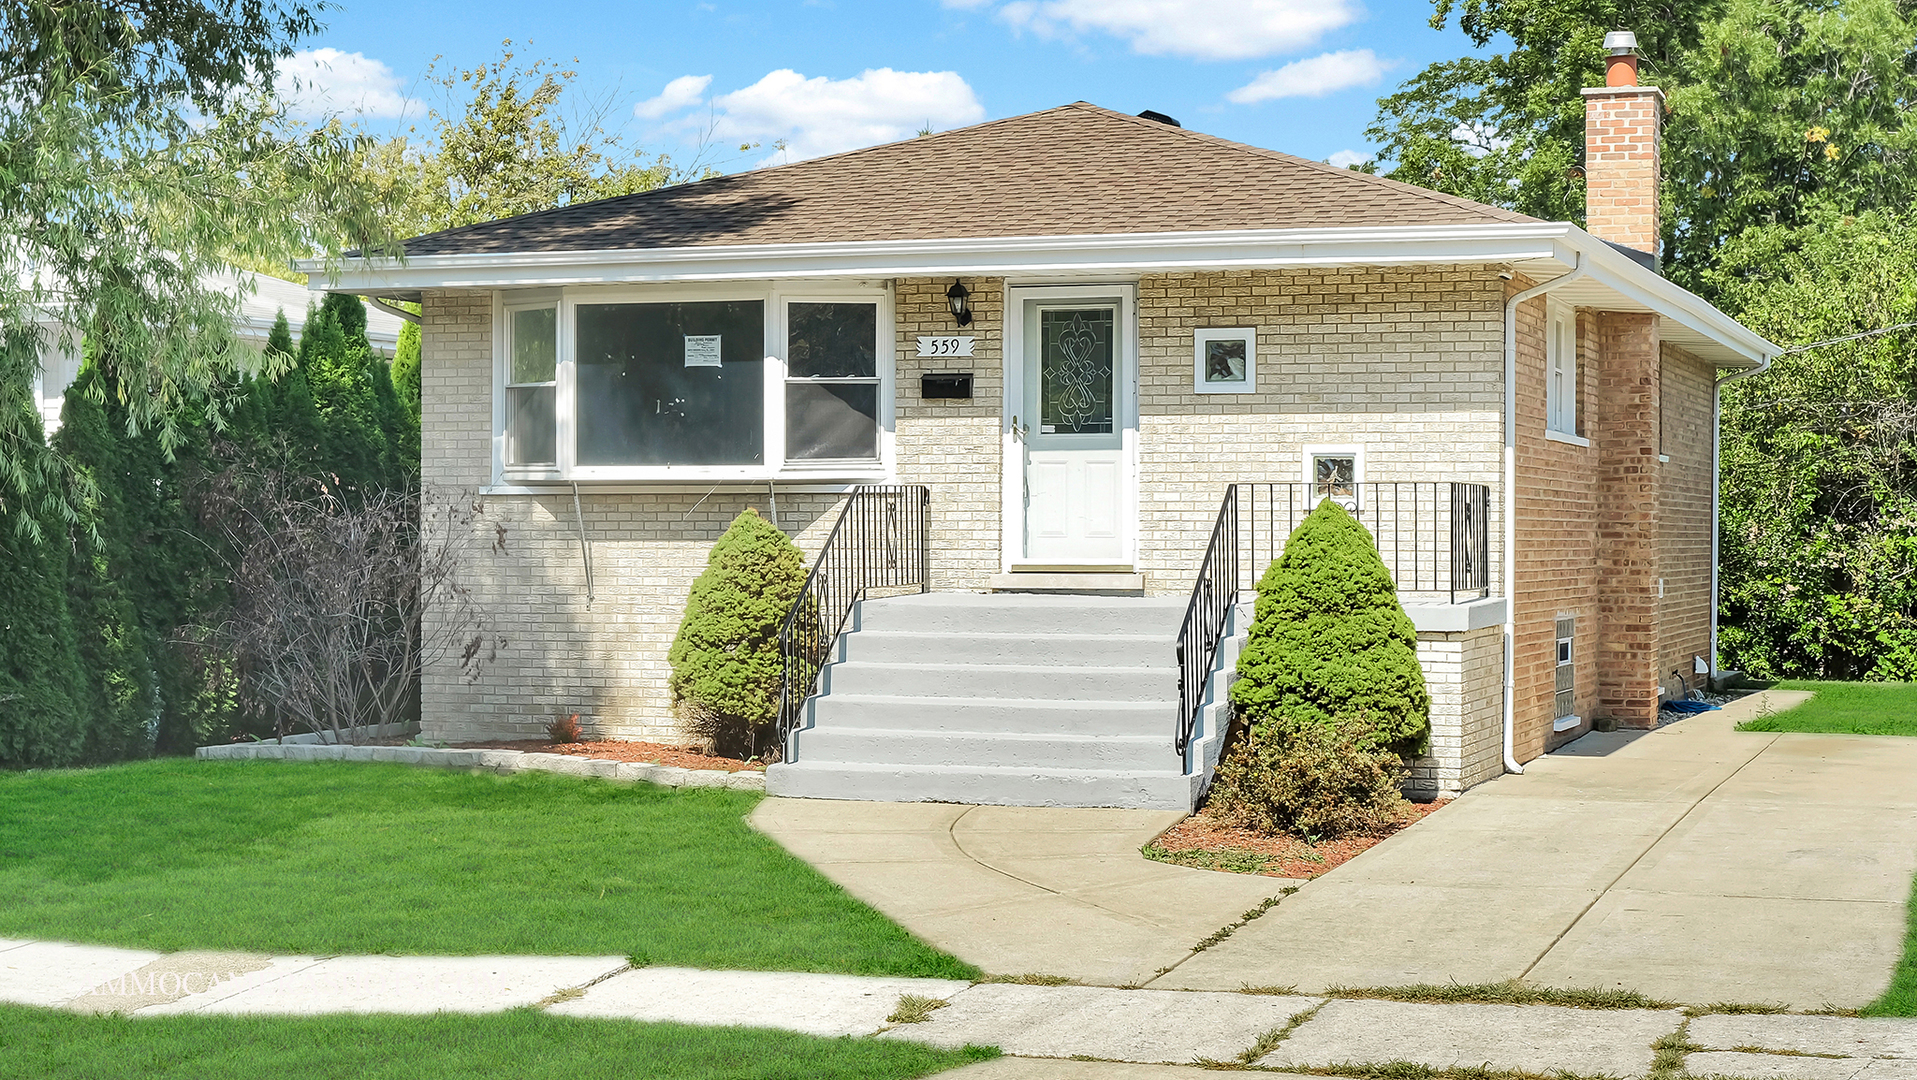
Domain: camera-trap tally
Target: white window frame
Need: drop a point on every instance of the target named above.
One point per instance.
(501, 427)
(1204, 336)
(1561, 370)
(773, 466)
(1309, 463)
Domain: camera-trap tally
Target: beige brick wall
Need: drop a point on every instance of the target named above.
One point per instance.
(1404, 363)
(1684, 515)
(1464, 674)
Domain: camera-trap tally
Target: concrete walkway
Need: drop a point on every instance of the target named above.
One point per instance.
(1042, 1026)
(1017, 890)
(1694, 863)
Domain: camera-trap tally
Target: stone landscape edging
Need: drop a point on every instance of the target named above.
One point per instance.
(494, 761)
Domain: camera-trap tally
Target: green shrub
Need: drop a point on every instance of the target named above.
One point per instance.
(1330, 696)
(1313, 779)
(725, 659)
(1330, 639)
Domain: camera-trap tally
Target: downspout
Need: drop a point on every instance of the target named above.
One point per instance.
(1511, 503)
(1717, 398)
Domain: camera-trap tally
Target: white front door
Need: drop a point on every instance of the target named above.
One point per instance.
(1071, 424)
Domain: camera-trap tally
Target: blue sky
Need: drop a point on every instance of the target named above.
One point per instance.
(826, 75)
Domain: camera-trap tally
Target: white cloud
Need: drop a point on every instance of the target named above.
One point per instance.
(682, 92)
(1314, 77)
(1345, 159)
(324, 82)
(824, 116)
(1202, 29)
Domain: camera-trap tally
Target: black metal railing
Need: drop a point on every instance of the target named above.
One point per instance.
(879, 542)
(1212, 598)
(1434, 538)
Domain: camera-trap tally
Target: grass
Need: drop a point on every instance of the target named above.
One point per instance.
(321, 858)
(1845, 708)
(1510, 992)
(914, 1009)
(1901, 998)
(525, 1044)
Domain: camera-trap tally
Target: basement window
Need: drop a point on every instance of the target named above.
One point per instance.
(703, 383)
(1564, 715)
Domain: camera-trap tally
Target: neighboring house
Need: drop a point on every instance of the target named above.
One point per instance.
(1155, 315)
(259, 307)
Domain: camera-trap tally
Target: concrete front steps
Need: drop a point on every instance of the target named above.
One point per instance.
(1003, 699)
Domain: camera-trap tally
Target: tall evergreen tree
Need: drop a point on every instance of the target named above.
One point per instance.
(43, 698)
(337, 367)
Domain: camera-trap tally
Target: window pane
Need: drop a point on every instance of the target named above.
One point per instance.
(534, 345)
(1075, 382)
(650, 396)
(831, 421)
(529, 425)
(1335, 476)
(832, 340)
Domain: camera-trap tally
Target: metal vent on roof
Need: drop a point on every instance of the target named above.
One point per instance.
(1149, 114)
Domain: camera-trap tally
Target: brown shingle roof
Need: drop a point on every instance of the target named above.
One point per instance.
(1077, 169)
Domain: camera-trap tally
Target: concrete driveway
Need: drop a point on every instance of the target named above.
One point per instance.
(1694, 863)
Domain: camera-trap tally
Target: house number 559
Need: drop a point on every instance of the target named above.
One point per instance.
(945, 346)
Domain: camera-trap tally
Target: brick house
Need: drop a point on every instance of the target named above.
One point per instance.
(1094, 351)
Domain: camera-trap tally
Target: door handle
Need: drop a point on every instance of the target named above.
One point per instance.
(1018, 429)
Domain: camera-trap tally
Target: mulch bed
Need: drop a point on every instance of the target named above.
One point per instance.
(1208, 843)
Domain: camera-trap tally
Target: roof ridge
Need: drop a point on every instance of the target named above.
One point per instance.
(1320, 166)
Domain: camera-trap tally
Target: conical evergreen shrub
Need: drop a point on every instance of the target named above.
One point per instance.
(725, 659)
(1330, 693)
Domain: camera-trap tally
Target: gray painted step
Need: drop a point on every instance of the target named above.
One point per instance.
(976, 716)
(883, 746)
(1055, 650)
(978, 784)
(934, 679)
(968, 613)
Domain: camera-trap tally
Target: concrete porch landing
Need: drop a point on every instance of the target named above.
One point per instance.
(1694, 863)
(1018, 890)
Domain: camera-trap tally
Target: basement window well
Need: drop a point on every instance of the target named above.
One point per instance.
(599, 384)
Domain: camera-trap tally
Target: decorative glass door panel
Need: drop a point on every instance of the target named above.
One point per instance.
(1073, 445)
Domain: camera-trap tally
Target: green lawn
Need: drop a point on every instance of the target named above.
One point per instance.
(1846, 708)
(322, 858)
(524, 1044)
(1901, 998)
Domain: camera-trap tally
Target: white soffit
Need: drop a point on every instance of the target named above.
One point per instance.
(1540, 250)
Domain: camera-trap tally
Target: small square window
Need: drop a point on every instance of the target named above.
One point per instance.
(1225, 361)
(1334, 476)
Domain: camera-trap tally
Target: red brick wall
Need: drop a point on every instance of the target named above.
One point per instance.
(1556, 542)
(1684, 515)
(1621, 167)
(1625, 436)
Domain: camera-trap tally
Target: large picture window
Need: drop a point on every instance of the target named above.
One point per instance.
(604, 384)
(671, 384)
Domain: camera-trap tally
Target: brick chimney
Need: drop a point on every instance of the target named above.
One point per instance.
(1621, 160)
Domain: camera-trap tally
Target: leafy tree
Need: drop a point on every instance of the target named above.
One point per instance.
(1819, 526)
(406, 370)
(725, 659)
(1778, 106)
(137, 156)
(42, 688)
(516, 145)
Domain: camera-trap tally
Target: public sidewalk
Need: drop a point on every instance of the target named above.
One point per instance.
(1694, 863)
(1043, 1026)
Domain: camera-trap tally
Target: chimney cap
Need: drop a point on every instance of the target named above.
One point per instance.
(1621, 43)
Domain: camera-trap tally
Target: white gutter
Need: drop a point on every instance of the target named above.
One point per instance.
(1511, 503)
(1534, 247)
(1717, 397)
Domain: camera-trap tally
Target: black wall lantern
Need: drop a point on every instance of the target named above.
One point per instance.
(961, 303)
